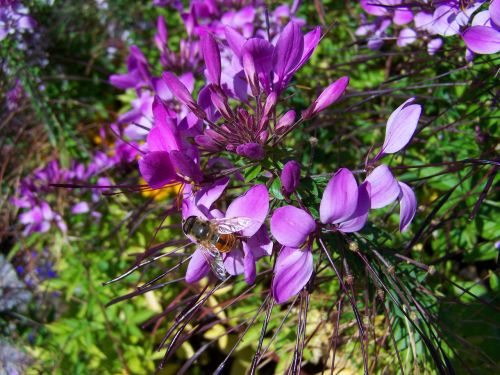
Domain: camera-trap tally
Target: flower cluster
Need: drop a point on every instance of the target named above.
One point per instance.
(239, 115)
(38, 213)
(14, 18)
(477, 22)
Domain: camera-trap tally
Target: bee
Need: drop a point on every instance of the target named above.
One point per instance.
(215, 237)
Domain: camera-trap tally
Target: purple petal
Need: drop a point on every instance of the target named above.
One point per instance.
(375, 10)
(311, 40)
(161, 36)
(249, 266)
(254, 204)
(482, 39)
(292, 271)
(290, 176)
(358, 220)
(178, 89)
(126, 81)
(401, 125)
(235, 40)
(261, 52)
(80, 208)
(163, 136)
(259, 244)
(210, 193)
(288, 50)
(185, 166)
(157, 169)
(434, 45)
(402, 16)
(494, 10)
(408, 206)
(291, 226)
(211, 55)
(233, 262)
(252, 151)
(197, 268)
(406, 37)
(384, 187)
(340, 198)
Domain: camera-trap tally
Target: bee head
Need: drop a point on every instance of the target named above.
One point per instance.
(196, 228)
(188, 224)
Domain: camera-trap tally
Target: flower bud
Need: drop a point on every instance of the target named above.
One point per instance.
(290, 177)
(285, 122)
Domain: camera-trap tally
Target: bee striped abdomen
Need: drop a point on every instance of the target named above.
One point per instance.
(225, 242)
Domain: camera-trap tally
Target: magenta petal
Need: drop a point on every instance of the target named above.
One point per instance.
(482, 39)
(211, 55)
(178, 89)
(162, 34)
(254, 204)
(340, 198)
(311, 40)
(157, 169)
(291, 226)
(402, 16)
(234, 263)
(408, 206)
(375, 10)
(197, 268)
(401, 125)
(185, 166)
(261, 52)
(163, 136)
(384, 187)
(358, 219)
(259, 244)
(292, 271)
(290, 176)
(209, 194)
(288, 50)
(235, 40)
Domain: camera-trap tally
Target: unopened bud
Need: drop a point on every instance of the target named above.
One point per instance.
(285, 122)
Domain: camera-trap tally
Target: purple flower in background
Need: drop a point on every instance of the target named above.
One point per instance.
(14, 18)
(442, 19)
(137, 75)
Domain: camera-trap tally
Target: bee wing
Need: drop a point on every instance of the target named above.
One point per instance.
(214, 259)
(232, 225)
